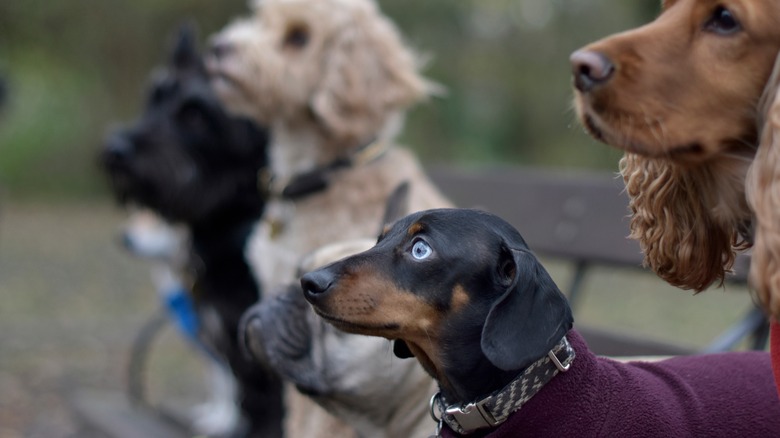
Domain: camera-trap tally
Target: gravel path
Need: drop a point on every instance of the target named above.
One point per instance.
(71, 301)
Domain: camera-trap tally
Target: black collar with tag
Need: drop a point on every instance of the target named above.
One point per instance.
(317, 179)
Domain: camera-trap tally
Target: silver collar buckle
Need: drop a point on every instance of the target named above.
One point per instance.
(557, 362)
(472, 416)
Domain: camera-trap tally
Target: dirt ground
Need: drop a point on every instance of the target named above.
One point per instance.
(71, 301)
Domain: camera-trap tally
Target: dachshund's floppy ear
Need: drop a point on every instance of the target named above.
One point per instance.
(528, 319)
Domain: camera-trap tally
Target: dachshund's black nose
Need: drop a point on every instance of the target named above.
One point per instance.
(316, 282)
(590, 69)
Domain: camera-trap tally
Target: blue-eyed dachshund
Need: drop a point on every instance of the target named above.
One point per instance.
(462, 292)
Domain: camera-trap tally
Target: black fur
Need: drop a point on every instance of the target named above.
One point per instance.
(192, 163)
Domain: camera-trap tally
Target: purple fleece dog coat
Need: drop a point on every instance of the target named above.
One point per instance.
(720, 395)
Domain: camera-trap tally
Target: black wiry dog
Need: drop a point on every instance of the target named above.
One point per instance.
(189, 161)
(461, 291)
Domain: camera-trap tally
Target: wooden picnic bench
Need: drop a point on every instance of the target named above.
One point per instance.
(582, 218)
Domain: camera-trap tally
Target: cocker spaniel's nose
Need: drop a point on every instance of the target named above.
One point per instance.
(316, 283)
(590, 69)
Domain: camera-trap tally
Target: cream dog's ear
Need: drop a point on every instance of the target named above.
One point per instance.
(368, 75)
(763, 193)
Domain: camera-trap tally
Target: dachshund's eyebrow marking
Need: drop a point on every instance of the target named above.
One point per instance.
(460, 298)
(415, 228)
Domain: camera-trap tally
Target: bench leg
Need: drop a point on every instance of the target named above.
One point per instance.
(754, 324)
(575, 286)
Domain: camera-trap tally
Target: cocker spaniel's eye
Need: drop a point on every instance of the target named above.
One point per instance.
(297, 36)
(722, 22)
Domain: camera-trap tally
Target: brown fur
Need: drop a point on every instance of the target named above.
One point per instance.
(328, 76)
(684, 241)
(683, 103)
(374, 306)
(368, 303)
(460, 299)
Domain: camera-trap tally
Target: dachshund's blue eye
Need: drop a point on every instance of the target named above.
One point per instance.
(722, 22)
(421, 250)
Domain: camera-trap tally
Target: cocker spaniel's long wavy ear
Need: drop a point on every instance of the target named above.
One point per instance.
(763, 193)
(676, 221)
(368, 75)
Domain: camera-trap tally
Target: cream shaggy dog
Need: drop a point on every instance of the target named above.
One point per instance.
(332, 78)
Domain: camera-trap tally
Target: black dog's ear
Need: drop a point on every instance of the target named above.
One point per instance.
(528, 319)
(185, 48)
(396, 207)
(401, 350)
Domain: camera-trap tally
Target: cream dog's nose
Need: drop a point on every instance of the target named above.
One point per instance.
(220, 47)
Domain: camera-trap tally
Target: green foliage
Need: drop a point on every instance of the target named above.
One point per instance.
(74, 69)
(505, 64)
(45, 128)
(77, 67)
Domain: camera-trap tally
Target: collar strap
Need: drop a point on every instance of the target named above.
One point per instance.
(496, 408)
(317, 179)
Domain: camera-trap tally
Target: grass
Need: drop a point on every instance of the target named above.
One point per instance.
(636, 302)
(72, 301)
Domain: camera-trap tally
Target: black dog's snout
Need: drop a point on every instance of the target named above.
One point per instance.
(117, 149)
(590, 69)
(316, 283)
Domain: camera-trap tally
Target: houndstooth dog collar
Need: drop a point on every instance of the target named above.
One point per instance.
(494, 409)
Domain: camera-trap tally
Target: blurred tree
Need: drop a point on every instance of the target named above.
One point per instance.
(3, 91)
(649, 8)
(505, 64)
(76, 67)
